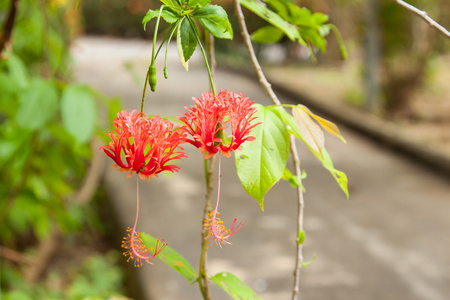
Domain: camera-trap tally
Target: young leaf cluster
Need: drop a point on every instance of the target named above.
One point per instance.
(183, 15)
(298, 24)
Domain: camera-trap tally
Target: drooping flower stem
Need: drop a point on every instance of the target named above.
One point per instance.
(152, 64)
(143, 94)
(194, 28)
(293, 148)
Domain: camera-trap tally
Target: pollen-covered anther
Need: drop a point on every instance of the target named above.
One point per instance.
(136, 250)
(217, 231)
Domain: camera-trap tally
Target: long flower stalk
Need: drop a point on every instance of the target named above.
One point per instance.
(293, 149)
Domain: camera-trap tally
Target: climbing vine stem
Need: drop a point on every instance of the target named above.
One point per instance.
(293, 149)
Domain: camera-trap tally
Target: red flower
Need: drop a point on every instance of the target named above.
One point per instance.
(211, 116)
(144, 146)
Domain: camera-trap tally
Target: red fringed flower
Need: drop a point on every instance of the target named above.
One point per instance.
(144, 146)
(210, 117)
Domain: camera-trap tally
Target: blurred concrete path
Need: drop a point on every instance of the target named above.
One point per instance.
(389, 241)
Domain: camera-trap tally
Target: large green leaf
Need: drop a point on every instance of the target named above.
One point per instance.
(234, 286)
(38, 104)
(78, 112)
(215, 19)
(262, 162)
(274, 19)
(172, 258)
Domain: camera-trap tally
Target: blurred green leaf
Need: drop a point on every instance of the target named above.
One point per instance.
(38, 104)
(274, 19)
(78, 112)
(267, 34)
(261, 162)
(172, 258)
(18, 71)
(215, 19)
(235, 287)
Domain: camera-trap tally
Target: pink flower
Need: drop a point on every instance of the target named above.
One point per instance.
(210, 117)
(144, 146)
(216, 229)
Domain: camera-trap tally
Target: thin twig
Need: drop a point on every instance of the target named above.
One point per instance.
(8, 26)
(293, 149)
(424, 15)
(13, 255)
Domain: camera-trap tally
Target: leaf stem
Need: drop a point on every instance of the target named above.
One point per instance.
(194, 28)
(293, 149)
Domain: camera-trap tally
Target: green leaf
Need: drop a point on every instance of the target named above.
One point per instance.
(267, 34)
(18, 71)
(301, 237)
(305, 264)
(274, 19)
(293, 179)
(199, 3)
(78, 112)
(215, 19)
(167, 14)
(339, 176)
(262, 162)
(234, 286)
(172, 258)
(38, 104)
(186, 41)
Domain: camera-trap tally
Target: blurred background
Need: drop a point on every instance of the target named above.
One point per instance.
(59, 215)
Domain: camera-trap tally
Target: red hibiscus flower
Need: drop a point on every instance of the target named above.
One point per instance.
(210, 117)
(144, 146)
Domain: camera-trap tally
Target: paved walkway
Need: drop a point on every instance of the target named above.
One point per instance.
(389, 241)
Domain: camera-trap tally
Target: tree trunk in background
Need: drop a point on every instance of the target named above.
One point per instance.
(372, 56)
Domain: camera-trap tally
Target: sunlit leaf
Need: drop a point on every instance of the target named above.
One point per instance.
(323, 157)
(327, 125)
(172, 258)
(262, 162)
(234, 286)
(311, 132)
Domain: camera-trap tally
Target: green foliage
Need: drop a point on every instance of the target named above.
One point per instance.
(98, 277)
(234, 286)
(172, 258)
(298, 24)
(182, 14)
(262, 162)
